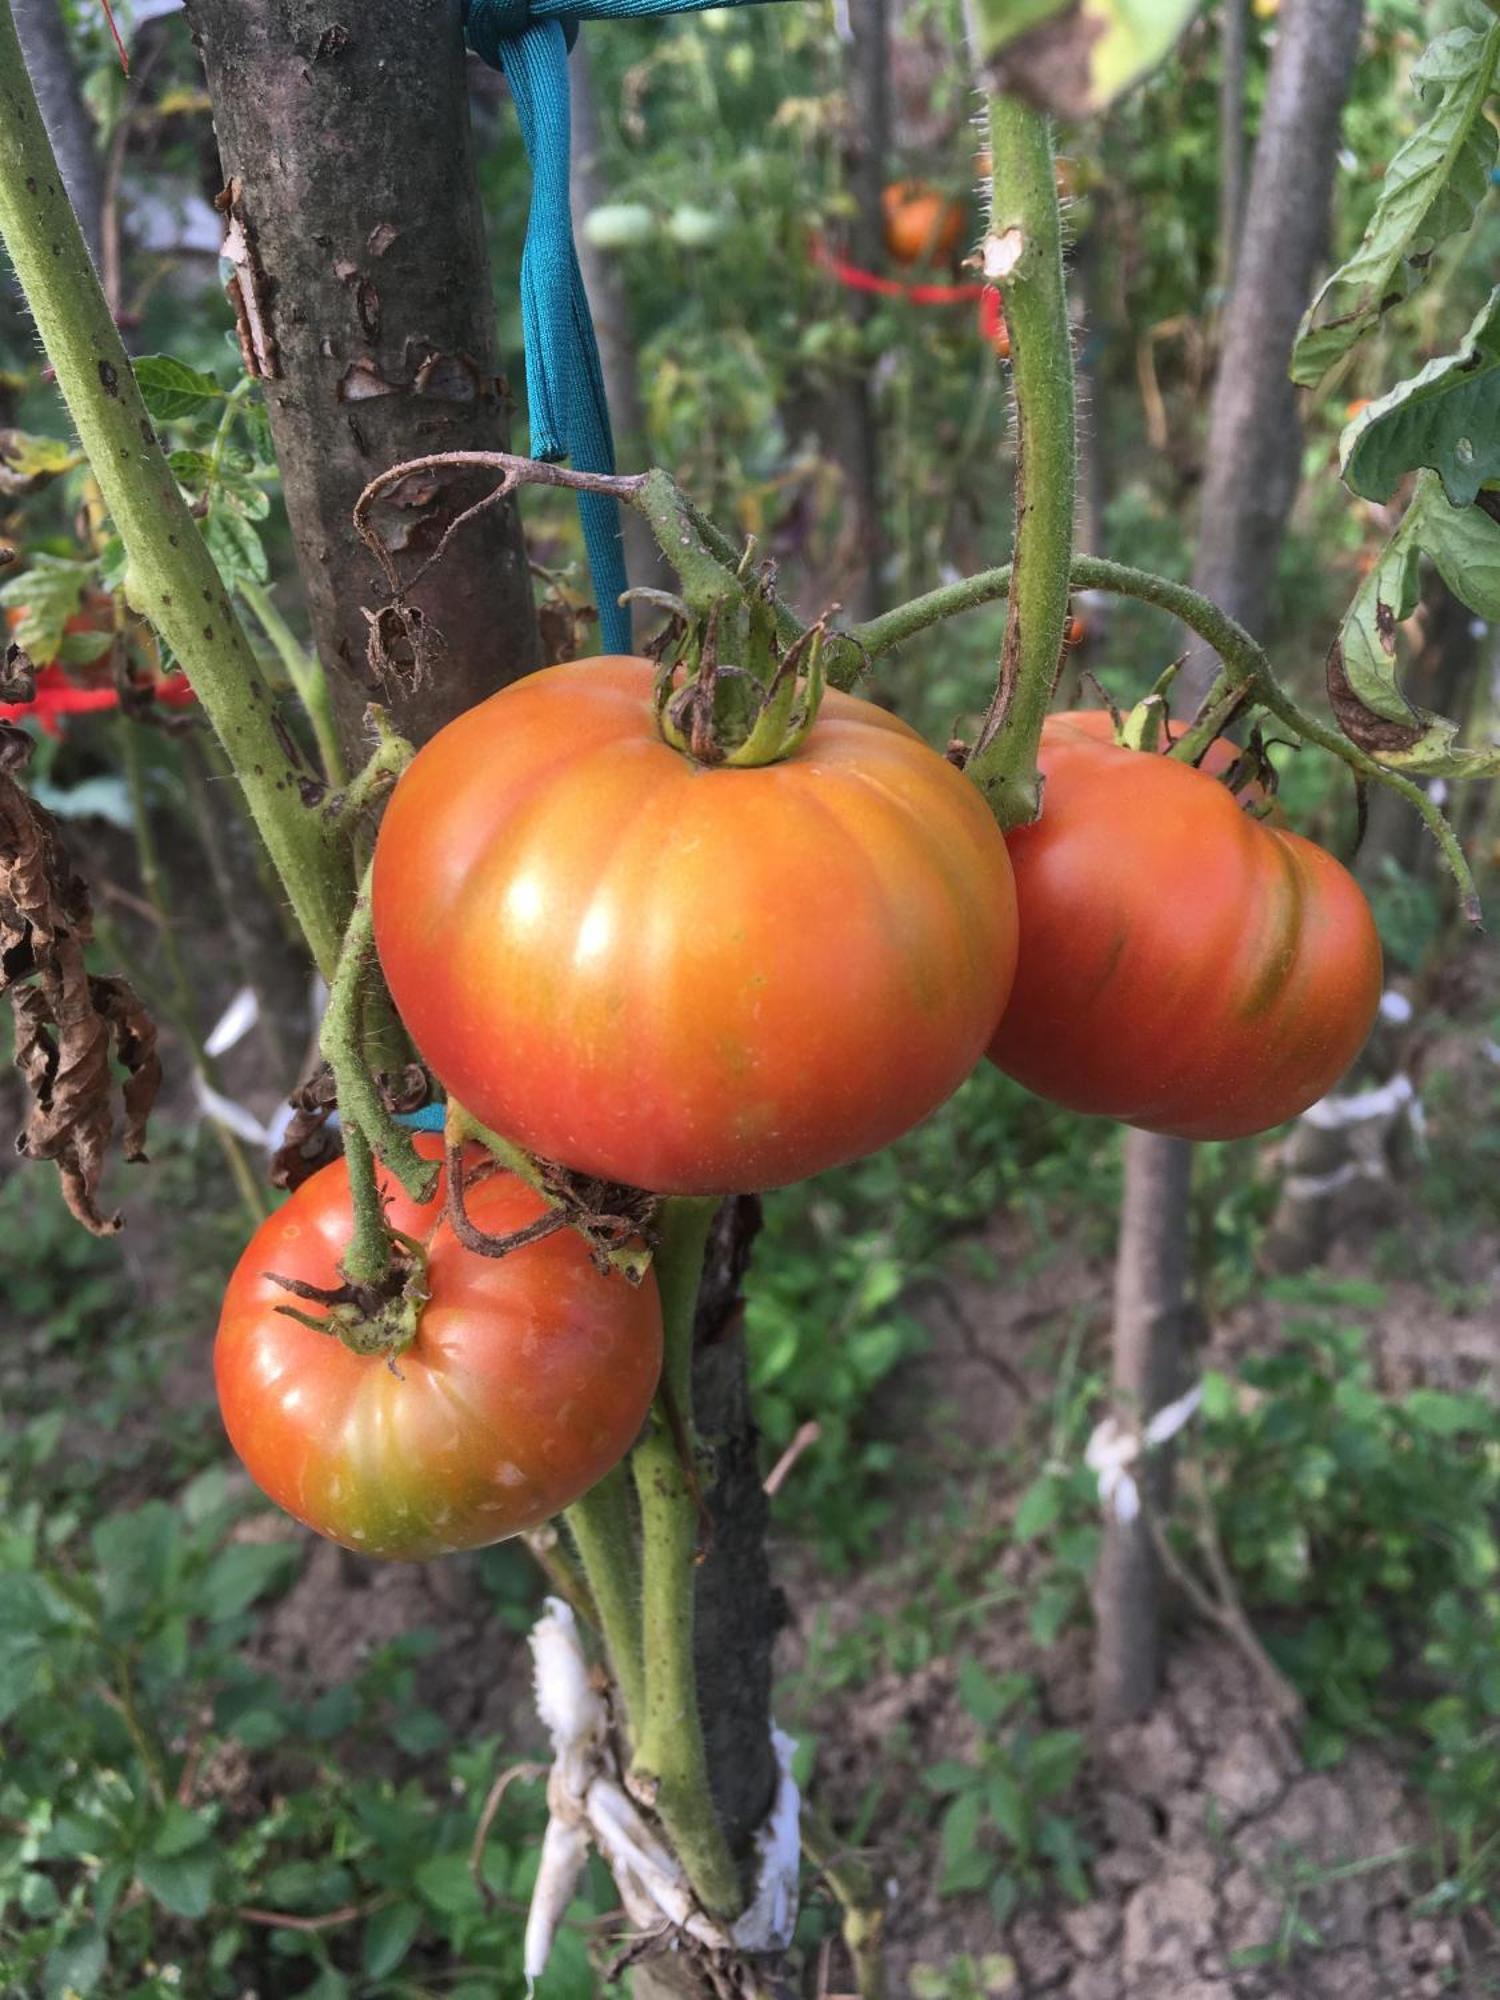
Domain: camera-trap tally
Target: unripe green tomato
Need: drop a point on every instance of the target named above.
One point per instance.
(619, 225)
(696, 228)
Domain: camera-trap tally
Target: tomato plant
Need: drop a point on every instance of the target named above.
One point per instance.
(522, 1379)
(921, 224)
(1184, 966)
(692, 980)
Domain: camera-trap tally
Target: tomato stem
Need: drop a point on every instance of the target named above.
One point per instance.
(1247, 674)
(670, 1767)
(172, 578)
(361, 1106)
(1023, 255)
(603, 1528)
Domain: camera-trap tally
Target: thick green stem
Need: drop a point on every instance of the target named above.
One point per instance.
(1023, 255)
(368, 1258)
(670, 1766)
(603, 1530)
(1246, 669)
(306, 675)
(341, 1042)
(171, 576)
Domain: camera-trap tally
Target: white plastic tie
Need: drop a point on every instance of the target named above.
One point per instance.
(1381, 1100)
(236, 1021)
(1112, 1450)
(588, 1805)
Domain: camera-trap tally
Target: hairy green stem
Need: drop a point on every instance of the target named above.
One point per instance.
(1247, 671)
(305, 672)
(670, 1766)
(342, 1045)
(171, 577)
(604, 1533)
(368, 1258)
(1023, 255)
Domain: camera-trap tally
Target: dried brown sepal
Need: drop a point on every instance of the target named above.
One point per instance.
(67, 1023)
(17, 674)
(308, 1143)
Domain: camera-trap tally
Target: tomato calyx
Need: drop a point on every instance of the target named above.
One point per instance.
(741, 716)
(380, 1318)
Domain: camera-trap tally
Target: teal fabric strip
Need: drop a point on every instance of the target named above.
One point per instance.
(529, 40)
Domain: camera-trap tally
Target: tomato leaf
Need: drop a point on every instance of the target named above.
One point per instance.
(1463, 544)
(235, 548)
(171, 390)
(47, 594)
(1431, 190)
(28, 462)
(1445, 419)
(243, 1572)
(1074, 57)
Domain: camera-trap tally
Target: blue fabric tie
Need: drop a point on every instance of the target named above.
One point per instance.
(529, 40)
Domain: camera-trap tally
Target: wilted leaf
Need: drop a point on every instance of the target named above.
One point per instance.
(47, 594)
(1463, 544)
(1447, 418)
(1074, 57)
(67, 1023)
(27, 463)
(1431, 189)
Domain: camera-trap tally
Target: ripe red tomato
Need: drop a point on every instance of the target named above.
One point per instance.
(692, 980)
(528, 1378)
(1183, 966)
(920, 223)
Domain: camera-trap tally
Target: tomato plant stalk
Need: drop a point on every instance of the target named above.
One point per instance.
(1023, 255)
(171, 575)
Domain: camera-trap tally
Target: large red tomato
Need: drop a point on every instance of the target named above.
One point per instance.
(529, 1376)
(1184, 966)
(693, 980)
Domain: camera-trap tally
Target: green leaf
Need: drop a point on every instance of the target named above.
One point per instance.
(1464, 545)
(1006, 1804)
(948, 1775)
(181, 1883)
(235, 548)
(1445, 1415)
(82, 649)
(47, 593)
(179, 1831)
(172, 390)
(987, 1698)
(446, 1883)
(1431, 190)
(1074, 57)
(241, 1573)
(1041, 1505)
(76, 1965)
(1447, 418)
(960, 1841)
(389, 1935)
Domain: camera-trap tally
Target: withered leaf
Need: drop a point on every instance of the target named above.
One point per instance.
(66, 1022)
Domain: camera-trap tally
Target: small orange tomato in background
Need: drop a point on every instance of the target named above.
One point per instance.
(922, 225)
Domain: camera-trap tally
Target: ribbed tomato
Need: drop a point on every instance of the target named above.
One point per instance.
(1184, 966)
(529, 1376)
(693, 980)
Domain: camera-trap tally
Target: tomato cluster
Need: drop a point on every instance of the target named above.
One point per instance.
(701, 977)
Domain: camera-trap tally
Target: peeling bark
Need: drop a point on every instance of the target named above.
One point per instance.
(363, 289)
